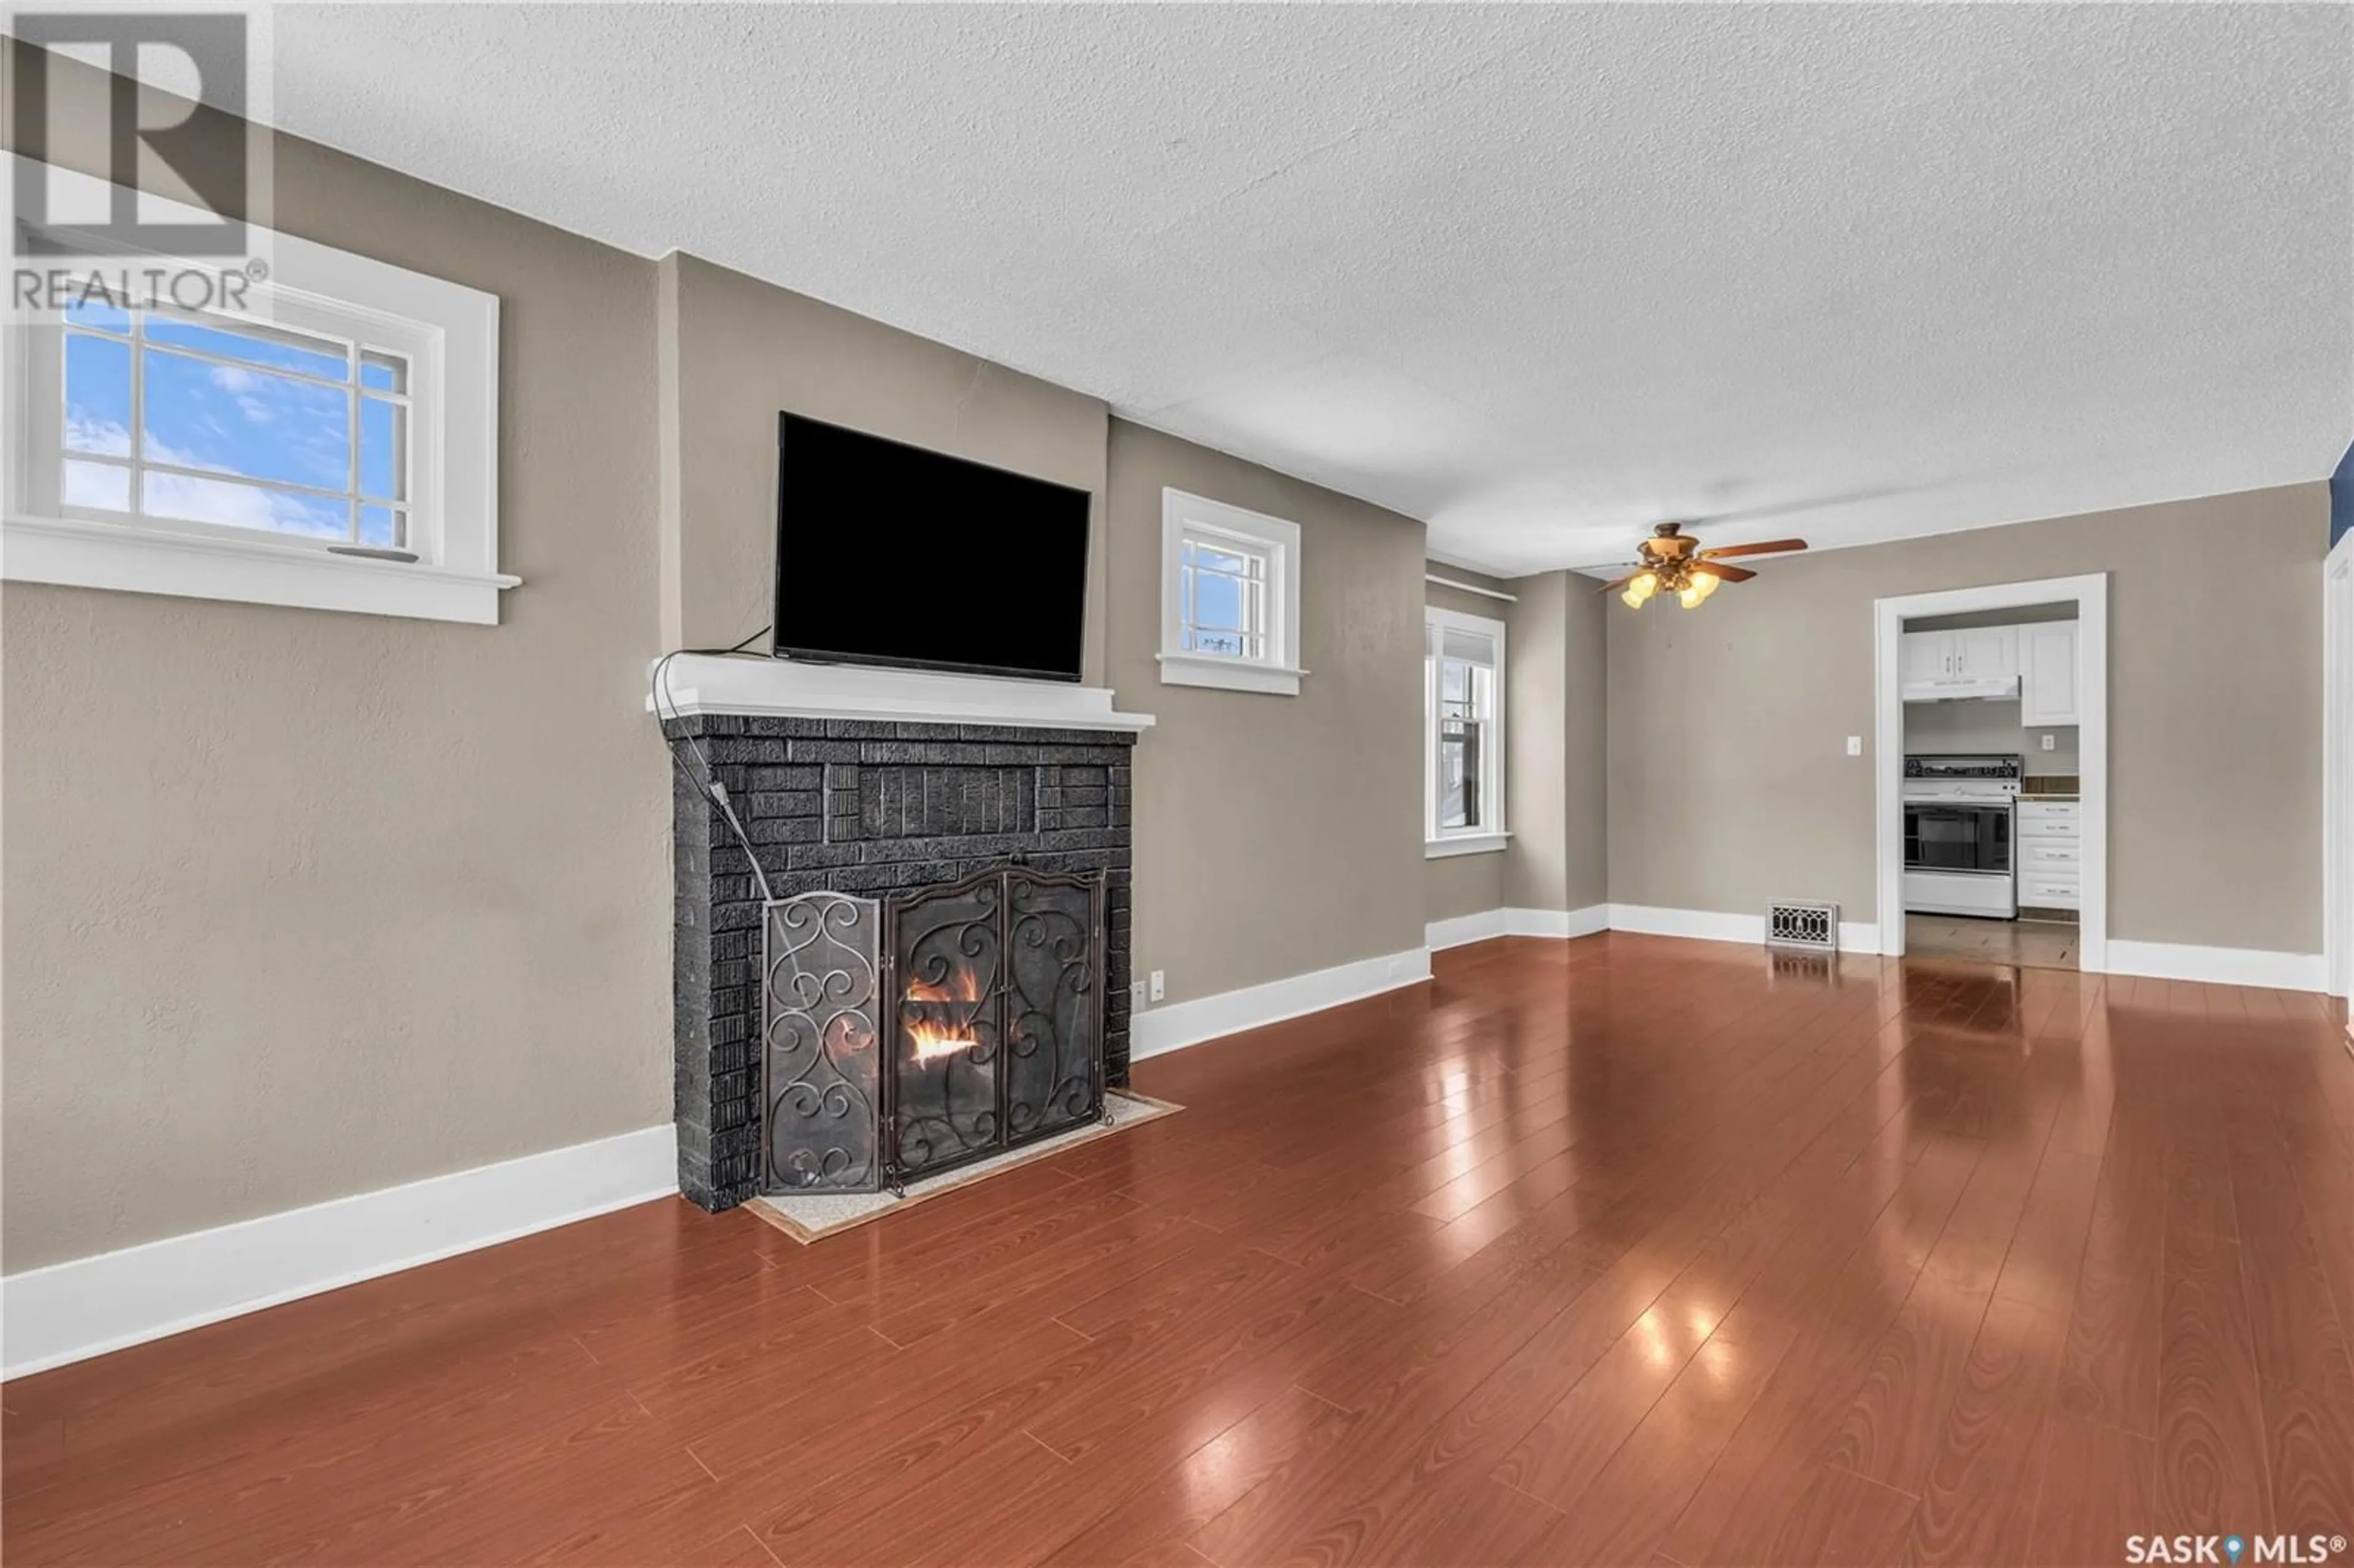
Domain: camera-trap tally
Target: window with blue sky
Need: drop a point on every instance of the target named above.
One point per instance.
(1224, 599)
(234, 424)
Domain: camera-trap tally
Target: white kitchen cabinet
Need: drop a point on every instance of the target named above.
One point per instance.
(2050, 688)
(1987, 653)
(1970, 658)
(2050, 845)
(1928, 658)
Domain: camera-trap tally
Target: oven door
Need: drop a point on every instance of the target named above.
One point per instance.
(1947, 837)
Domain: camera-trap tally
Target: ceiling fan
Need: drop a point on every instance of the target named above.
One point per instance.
(1671, 560)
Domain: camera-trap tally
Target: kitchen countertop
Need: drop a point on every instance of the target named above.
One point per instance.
(2052, 796)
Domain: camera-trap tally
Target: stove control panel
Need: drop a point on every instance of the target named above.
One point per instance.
(2010, 768)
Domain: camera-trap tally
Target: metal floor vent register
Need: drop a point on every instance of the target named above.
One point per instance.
(1791, 924)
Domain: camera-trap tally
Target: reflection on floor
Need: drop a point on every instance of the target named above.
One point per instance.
(2036, 944)
(1619, 1250)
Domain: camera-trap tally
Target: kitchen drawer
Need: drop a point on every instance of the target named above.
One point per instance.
(2068, 829)
(2047, 891)
(2034, 810)
(2064, 857)
(1958, 893)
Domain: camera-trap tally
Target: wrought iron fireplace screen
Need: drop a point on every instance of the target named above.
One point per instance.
(941, 1026)
(820, 1002)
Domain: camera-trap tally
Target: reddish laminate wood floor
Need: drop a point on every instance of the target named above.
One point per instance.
(1620, 1250)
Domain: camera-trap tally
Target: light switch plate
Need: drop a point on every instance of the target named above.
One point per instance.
(1136, 993)
(1159, 988)
(1855, 745)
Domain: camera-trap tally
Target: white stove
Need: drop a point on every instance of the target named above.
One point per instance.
(1959, 833)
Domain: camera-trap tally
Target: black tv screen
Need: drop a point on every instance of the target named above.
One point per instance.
(887, 554)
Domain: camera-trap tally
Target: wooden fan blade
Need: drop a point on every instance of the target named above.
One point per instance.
(1770, 547)
(1622, 582)
(1718, 570)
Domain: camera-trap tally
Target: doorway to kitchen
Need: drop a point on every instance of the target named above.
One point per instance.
(1990, 773)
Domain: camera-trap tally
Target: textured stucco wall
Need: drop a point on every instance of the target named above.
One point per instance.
(1554, 703)
(1274, 835)
(1730, 784)
(737, 351)
(299, 905)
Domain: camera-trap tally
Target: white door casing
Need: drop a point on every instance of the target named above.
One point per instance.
(2338, 766)
(2091, 596)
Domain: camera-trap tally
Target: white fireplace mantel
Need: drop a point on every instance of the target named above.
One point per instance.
(785, 688)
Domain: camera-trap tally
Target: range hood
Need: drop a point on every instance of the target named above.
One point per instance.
(2001, 689)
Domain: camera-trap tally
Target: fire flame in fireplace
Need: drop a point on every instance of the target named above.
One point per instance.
(942, 1016)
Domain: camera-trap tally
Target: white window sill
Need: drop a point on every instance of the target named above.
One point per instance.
(1230, 675)
(136, 560)
(1465, 844)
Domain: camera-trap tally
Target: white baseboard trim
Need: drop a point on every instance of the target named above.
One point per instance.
(1583, 922)
(68, 1311)
(2163, 961)
(1487, 923)
(2218, 966)
(1160, 1030)
(1714, 925)
(1701, 925)
(1460, 930)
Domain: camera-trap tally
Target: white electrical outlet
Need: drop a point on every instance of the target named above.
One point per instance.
(1160, 986)
(2047, 743)
(1136, 993)
(1855, 745)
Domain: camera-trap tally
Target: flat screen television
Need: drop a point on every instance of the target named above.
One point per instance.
(887, 554)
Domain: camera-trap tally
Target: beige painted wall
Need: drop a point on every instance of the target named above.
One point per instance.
(299, 905)
(1554, 707)
(1729, 784)
(1462, 885)
(1444, 597)
(737, 351)
(1274, 835)
(1468, 883)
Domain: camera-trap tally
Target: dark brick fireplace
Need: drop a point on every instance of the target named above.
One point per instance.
(864, 807)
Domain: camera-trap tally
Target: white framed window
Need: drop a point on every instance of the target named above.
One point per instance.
(325, 438)
(1229, 597)
(1463, 733)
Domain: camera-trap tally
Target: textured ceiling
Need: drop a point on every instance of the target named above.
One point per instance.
(1539, 276)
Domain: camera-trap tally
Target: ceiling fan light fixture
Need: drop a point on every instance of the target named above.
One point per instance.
(1670, 562)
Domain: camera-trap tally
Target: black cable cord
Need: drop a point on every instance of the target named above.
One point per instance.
(706, 784)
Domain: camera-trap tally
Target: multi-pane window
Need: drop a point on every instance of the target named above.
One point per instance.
(227, 423)
(1464, 699)
(1229, 597)
(1463, 680)
(1223, 599)
(323, 436)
